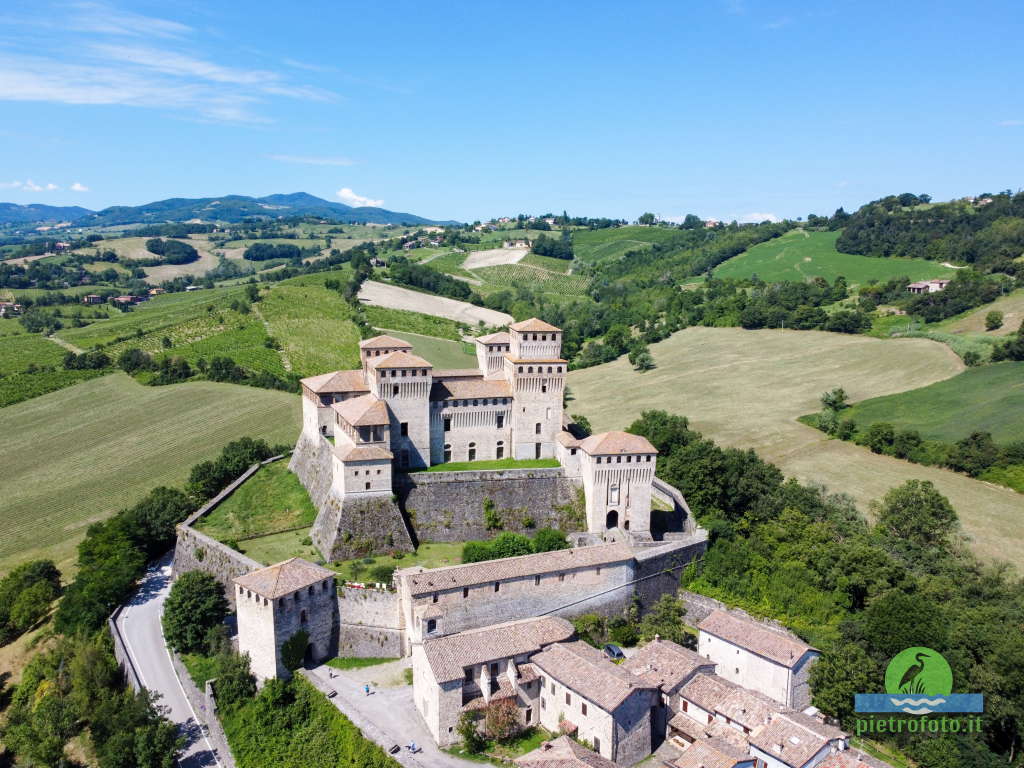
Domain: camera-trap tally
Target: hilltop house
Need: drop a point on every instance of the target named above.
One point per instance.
(927, 286)
(668, 667)
(748, 653)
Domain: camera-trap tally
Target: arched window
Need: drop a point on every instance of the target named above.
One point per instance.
(447, 452)
(536, 428)
(499, 451)
(529, 369)
(472, 452)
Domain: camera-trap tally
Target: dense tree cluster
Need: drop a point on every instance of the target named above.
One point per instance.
(405, 272)
(172, 251)
(556, 248)
(987, 232)
(268, 251)
(25, 597)
(859, 592)
(195, 606)
(508, 544)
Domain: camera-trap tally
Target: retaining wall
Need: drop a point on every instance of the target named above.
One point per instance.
(449, 506)
(124, 659)
(661, 565)
(699, 607)
(369, 623)
(195, 551)
(204, 703)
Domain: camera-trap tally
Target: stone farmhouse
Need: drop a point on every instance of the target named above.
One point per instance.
(749, 653)
(927, 286)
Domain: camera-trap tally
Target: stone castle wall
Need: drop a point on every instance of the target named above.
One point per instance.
(659, 566)
(450, 506)
(370, 623)
(195, 551)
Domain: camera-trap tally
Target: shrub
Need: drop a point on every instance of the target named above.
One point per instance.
(993, 320)
(293, 651)
(472, 741)
(501, 720)
(195, 604)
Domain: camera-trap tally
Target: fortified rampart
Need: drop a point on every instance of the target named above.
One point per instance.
(195, 551)
(459, 506)
(370, 623)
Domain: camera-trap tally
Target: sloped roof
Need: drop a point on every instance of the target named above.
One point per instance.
(448, 656)
(426, 580)
(794, 738)
(457, 373)
(533, 324)
(566, 439)
(401, 360)
(562, 752)
(712, 753)
(384, 342)
(362, 411)
(748, 708)
(852, 758)
(775, 645)
(337, 381)
(585, 670)
(616, 442)
(665, 664)
(706, 690)
(461, 389)
(371, 452)
(283, 578)
(501, 337)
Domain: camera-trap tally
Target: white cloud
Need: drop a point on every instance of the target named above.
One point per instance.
(79, 187)
(311, 160)
(29, 186)
(756, 217)
(100, 18)
(349, 197)
(1010, 123)
(10, 184)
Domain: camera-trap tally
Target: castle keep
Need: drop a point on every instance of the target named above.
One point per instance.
(365, 430)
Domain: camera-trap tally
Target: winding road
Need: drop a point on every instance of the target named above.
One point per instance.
(139, 624)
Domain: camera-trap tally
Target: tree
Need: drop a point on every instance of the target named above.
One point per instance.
(917, 513)
(838, 674)
(665, 619)
(834, 399)
(196, 603)
(993, 320)
(549, 540)
(293, 651)
(974, 454)
(879, 437)
(501, 720)
(646, 219)
(472, 741)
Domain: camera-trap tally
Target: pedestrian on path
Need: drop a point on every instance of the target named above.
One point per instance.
(366, 689)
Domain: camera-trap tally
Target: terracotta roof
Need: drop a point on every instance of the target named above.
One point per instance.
(775, 645)
(794, 738)
(712, 753)
(616, 442)
(458, 373)
(362, 411)
(665, 665)
(684, 723)
(748, 708)
(448, 656)
(562, 752)
(283, 578)
(564, 438)
(501, 337)
(371, 452)
(384, 342)
(588, 672)
(533, 324)
(401, 360)
(706, 690)
(852, 758)
(467, 388)
(423, 581)
(337, 381)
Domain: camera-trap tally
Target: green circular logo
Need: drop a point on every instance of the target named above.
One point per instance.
(919, 671)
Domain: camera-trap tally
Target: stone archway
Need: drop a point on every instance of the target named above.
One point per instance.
(611, 520)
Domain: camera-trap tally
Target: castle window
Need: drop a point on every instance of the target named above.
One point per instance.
(404, 428)
(572, 451)
(618, 459)
(302, 617)
(499, 452)
(597, 745)
(497, 586)
(404, 373)
(529, 369)
(499, 420)
(472, 452)
(431, 625)
(568, 698)
(583, 707)
(629, 459)
(613, 493)
(536, 428)
(536, 581)
(561, 577)
(598, 459)
(367, 486)
(648, 458)
(543, 337)
(465, 591)
(475, 402)
(543, 388)
(356, 473)
(394, 390)
(447, 453)
(549, 369)
(520, 369)
(433, 598)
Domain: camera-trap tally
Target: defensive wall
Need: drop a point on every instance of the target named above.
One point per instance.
(370, 623)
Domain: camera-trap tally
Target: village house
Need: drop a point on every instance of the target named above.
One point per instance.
(773, 662)
(927, 286)
(467, 671)
(714, 752)
(92, 298)
(562, 752)
(9, 308)
(666, 666)
(796, 740)
(709, 699)
(584, 693)
(520, 243)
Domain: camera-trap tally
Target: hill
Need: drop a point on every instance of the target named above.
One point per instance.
(87, 451)
(745, 389)
(12, 213)
(800, 255)
(613, 242)
(989, 399)
(233, 208)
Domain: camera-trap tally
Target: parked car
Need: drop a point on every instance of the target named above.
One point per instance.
(613, 652)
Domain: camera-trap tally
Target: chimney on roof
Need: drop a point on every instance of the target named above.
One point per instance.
(657, 638)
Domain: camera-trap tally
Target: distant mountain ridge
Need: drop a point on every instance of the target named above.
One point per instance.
(229, 208)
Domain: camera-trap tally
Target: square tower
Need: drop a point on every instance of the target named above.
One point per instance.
(275, 603)
(536, 372)
(618, 473)
(402, 381)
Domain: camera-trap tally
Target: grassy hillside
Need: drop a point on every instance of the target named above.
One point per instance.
(76, 456)
(989, 398)
(800, 255)
(441, 353)
(746, 389)
(314, 326)
(973, 322)
(600, 244)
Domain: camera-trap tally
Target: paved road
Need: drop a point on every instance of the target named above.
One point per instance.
(139, 624)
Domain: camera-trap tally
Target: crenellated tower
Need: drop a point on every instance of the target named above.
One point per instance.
(536, 372)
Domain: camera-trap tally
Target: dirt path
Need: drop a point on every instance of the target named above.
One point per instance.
(494, 257)
(281, 352)
(67, 345)
(385, 295)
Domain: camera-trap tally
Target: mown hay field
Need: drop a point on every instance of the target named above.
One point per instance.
(1011, 305)
(746, 389)
(799, 255)
(78, 455)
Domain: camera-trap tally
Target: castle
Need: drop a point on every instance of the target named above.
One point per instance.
(396, 412)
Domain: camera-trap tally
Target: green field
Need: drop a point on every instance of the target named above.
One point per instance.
(546, 262)
(17, 352)
(76, 456)
(428, 554)
(314, 326)
(592, 245)
(747, 388)
(271, 500)
(402, 320)
(543, 280)
(441, 353)
(989, 398)
(799, 255)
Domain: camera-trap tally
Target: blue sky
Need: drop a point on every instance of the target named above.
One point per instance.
(724, 108)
